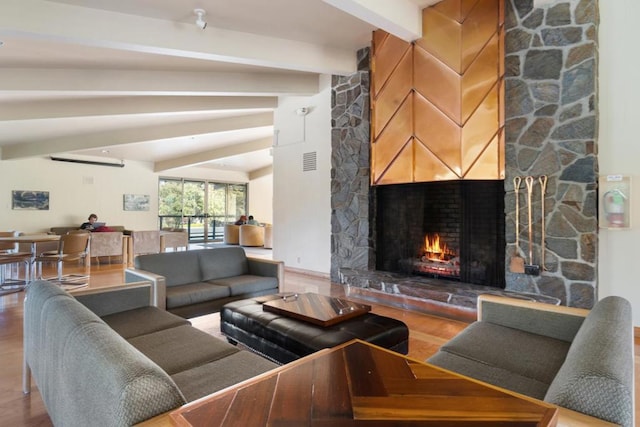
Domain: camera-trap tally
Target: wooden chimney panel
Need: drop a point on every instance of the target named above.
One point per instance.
(447, 88)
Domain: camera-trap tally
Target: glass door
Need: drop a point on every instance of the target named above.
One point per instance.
(218, 209)
(194, 207)
(201, 207)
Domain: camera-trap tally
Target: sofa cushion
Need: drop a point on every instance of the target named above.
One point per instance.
(141, 321)
(178, 268)
(218, 263)
(211, 377)
(193, 293)
(490, 374)
(247, 284)
(181, 348)
(521, 353)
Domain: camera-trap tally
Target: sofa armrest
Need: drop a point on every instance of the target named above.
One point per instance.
(115, 299)
(158, 284)
(552, 321)
(596, 377)
(268, 268)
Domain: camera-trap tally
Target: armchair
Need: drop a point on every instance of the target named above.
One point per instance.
(231, 234)
(251, 235)
(577, 359)
(108, 244)
(142, 243)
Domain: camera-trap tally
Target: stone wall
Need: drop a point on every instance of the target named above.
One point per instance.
(351, 198)
(551, 129)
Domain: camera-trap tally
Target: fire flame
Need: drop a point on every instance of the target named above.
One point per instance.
(434, 250)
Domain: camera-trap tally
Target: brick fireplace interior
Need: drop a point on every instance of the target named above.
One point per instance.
(450, 230)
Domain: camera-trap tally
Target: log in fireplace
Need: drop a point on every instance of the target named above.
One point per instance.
(448, 229)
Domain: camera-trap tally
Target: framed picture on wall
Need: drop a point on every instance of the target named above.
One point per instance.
(30, 200)
(136, 202)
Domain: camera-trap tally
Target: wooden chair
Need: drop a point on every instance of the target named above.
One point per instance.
(72, 247)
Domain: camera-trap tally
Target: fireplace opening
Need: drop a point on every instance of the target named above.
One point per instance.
(450, 230)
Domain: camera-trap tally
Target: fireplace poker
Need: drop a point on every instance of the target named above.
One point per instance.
(517, 262)
(543, 191)
(531, 269)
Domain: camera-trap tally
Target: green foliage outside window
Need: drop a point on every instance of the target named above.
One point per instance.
(177, 198)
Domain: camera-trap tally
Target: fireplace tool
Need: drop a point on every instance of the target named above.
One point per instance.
(530, 268)
(517, 262)
(543, 191)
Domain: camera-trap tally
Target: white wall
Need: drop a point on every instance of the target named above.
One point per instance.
(261, 198)
(76, 190)
(619, 145)
(302, 200)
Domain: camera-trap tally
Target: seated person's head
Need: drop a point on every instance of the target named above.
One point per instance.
(93, 218)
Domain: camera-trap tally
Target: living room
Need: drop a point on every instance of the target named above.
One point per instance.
(301, 200)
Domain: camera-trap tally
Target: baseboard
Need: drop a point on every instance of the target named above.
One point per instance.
(308, 272)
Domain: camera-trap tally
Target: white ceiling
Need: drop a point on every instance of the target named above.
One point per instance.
(138, 80)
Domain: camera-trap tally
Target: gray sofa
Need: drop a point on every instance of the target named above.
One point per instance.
(108, 358)
(196, 282)
(577, 359)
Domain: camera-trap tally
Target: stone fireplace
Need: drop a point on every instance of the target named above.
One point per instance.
(551, 128)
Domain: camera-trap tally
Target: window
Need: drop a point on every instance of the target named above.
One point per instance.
(202, 207)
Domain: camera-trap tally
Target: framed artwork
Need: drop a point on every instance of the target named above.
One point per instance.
(30, 200)
(136, 202)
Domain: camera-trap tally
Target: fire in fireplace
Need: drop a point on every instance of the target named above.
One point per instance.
(449, 229)
(437, 259)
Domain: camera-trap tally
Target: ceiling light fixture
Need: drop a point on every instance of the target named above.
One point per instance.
(200, 22)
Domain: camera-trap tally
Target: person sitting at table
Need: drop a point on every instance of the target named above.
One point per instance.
(93, 225)
(89, 225)
(242, 220)
(252, 221)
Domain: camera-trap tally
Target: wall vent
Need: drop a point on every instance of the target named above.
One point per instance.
(309, 161)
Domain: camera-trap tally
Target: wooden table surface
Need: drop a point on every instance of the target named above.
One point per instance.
(318, 309)
(361, 384)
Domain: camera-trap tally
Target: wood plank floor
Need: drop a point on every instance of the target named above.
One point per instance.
(427, 334)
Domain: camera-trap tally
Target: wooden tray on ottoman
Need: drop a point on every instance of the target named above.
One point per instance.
(317, 309)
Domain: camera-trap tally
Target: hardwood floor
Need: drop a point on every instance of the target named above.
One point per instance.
(427, 334)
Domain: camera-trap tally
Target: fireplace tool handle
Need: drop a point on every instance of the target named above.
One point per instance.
(543, 191)
(517, 262)
(530, 268)
(517, 181)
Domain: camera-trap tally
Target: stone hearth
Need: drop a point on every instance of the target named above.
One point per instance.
(551, 128)
(447, 298)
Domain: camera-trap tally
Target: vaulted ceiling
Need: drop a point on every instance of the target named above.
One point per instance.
(139, 80)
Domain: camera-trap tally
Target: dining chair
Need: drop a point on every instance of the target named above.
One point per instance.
(10, 256)
(71, 247)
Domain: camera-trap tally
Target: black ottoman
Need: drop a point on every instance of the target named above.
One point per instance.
(284, 339)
